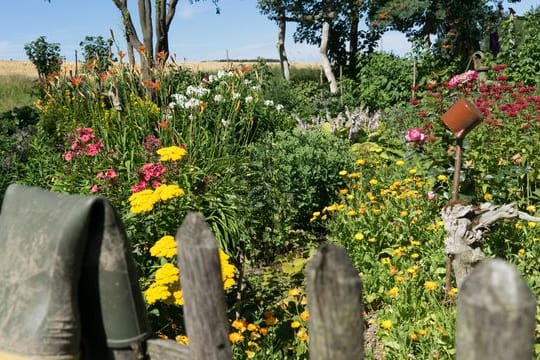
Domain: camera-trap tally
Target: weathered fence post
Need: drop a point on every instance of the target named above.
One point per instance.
(496, 314)
(204, 300)
(334, 294)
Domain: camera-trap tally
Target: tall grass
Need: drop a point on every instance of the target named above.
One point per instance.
(16, 90)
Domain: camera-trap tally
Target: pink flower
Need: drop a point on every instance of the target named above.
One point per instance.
(111, 174)
(94, 188)
(100, 175)
(84, 138)
(430, 195)
(68, 156)
(140, 186)
(415, 135)
(156, 184)
(92, 150)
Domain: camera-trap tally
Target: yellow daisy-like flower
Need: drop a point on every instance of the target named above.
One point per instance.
(171, 153)
(453, 292)
(359, 236)
(302, 335)
(430, 285)
(442, 177)
(166, 247)
(142, 201)
(521, 252)
(488, 196)
(387, 324)
(400, 163)
(239, 324)
(531, 209)
(373, 181)
(343, 172)
(304, 315)
(360, 162)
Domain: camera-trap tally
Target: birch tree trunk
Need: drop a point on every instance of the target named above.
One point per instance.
(283, 61)
(327, 67)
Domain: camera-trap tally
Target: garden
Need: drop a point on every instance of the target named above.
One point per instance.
(279, 167)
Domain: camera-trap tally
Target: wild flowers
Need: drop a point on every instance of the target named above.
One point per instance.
(83, 143)
(415, 135)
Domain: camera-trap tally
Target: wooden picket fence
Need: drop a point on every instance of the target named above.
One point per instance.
(496, 309)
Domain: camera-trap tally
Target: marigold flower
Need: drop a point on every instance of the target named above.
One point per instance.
(236, 337)
(430, 285)
(304, 315)
(239, 324)
(387, 324)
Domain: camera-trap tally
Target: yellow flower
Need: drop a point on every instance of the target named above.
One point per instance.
(404, 213)
(400, 163)
(239, 324)
(166, 247)
(236, 337)
(453, 292)
(422, 332)
(385, 260)
(156, 292)
(227, 270)
(250, 354)
(252, 327)
(531, 209)
(172, 153)
(302, 335)
(343, 172)
(295, 324)
(393, 292)
(531, 224)
(360, 162)
(304, 315)
(142, 201)
(166, 192)
(372, 240)
(488, 196)
(167, 274)
(343, 191)
(415, 256)
(359, 236)
(178, 297)
(412, 171)
(373, 182)
(442, 177)
(387, 324)
(294, 292)
(354, 175)
(521, 252)
(182, 339)
(430, 285)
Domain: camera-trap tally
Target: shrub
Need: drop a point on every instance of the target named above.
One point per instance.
(291, 175)
(97, 53)
(45, 56)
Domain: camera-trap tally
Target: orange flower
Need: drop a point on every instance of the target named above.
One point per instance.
(141, 50)
(75, 80)
(103, 76)
(121, 54)
(162, 55)
(154, 85)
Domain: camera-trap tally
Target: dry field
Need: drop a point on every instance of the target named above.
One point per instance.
(25, 68)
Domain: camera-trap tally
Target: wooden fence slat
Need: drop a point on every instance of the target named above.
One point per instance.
(202, 286)
(334, 292)
(159, 349)
(495, 314)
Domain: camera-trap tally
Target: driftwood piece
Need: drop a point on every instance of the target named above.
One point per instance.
(334, 294)
(466, 226)
(496, 314)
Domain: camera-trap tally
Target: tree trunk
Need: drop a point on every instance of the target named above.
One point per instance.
(353, 37)
(283, 61)
(327, 67)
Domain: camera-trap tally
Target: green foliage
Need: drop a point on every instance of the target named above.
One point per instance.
(97, 53)
(520, 48)
(290, 176)
(383, 80)
(45, 56)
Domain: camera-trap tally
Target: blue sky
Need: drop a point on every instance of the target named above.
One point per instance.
(197, 33)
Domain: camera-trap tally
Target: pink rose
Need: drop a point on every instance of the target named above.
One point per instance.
(415, 135)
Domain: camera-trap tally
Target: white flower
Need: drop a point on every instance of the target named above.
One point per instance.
(218, 98)
(224, 122)
(268, 102)
(247, 81)
(279, 107)
(198, 91)
(236, 96)
(249, 99)
(222, 74)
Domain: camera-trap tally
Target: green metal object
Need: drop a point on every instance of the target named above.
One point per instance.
(68, 284)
